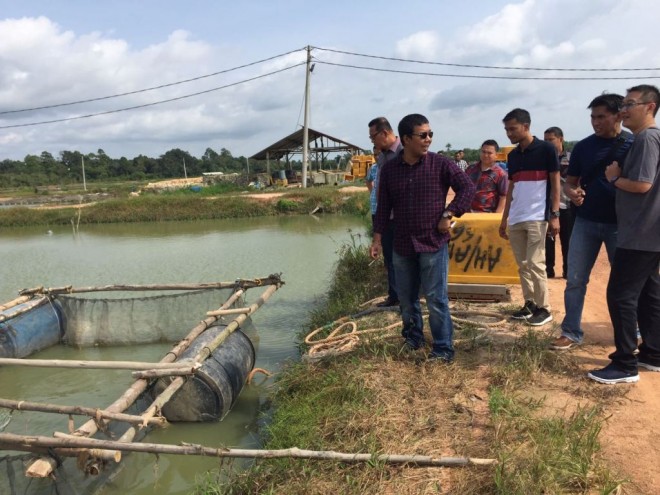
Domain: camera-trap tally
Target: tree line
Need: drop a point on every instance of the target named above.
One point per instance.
(67, 168)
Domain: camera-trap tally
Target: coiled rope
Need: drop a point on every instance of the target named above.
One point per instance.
(346, 336)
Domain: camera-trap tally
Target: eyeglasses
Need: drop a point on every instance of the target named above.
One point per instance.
(423, 135)
(630, 104)
(373, 136)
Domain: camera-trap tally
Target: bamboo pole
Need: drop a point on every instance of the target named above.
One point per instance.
(29, 442)
(44, 466)
(242, 283)
(14, 302)
(99, 365)
(35, 304)
(151, 374)
(104, 454)
(232, 311)
(20, 405)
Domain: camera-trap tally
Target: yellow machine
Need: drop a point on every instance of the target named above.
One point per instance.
(503, 154)
(360, 165)
(477, 253)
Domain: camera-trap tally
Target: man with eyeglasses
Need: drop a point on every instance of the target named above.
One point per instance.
(414, 186)
(388, 145)
(593, 196)
(531, 210)
(633, 290)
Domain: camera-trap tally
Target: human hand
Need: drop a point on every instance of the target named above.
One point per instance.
(375, 250)
(612, 171)
(445, 225)
(502, 231)
(576, 195)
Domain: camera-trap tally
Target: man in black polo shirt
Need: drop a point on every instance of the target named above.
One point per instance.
(532, 207)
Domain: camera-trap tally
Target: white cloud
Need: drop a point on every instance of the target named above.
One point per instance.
(424, 45)
(45, 62)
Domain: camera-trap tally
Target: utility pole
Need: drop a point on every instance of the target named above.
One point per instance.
(305, 163)
(82, 159)
(185, 174)
(247, 167)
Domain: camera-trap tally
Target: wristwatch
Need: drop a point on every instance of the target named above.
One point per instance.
(555, 214)
(447, 214)
(614, 179)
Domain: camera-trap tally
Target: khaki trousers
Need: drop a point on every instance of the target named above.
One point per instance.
(527, 241)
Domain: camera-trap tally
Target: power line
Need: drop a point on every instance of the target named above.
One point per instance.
(474, 76)
(100, 98)
(473, 66)
(153, 103)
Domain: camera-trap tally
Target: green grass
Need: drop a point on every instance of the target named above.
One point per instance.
(539, 454)
(189, 206)
(540, 450)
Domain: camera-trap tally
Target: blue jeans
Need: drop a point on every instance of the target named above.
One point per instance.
(586, 240)
(428, 271)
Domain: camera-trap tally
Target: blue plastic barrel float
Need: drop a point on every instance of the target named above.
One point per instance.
(30, 327)
(213, 390)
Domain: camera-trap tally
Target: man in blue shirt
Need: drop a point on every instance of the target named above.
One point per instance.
(595, 223)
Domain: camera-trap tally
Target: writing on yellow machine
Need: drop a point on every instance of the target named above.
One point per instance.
(477, 253)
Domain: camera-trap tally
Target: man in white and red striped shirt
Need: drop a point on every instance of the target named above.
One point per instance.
(531, 211)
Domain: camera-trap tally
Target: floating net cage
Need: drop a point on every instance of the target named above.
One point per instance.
(97, 317)
(125, 319)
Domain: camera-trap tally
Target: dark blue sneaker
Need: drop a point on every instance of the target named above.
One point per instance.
(647, 366)
(525, 312)
(409, 346)
(611, 374)
(439, 358)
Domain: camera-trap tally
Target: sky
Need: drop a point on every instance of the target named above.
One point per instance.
(244, 63)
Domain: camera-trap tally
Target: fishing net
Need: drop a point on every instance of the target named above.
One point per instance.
(126, 318)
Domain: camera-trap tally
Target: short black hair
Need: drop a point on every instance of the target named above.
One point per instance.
(650, 94)
(556, 131)
(519, 114)
(381, 124)
(409, 122)
(491, 142)
(611, 101)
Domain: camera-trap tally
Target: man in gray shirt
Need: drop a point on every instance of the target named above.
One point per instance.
(633, 291)
(389, 145)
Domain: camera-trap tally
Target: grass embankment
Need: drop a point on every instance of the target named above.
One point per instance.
(191, 206)
(506, 397)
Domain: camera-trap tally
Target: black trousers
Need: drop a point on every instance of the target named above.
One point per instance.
(566, 221)
(633, 298)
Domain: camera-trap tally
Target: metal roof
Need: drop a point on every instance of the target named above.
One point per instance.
(293, 144)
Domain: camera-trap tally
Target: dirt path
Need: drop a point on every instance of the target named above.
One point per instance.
(631, 437)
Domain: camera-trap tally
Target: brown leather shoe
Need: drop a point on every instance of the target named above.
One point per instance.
(562, 344)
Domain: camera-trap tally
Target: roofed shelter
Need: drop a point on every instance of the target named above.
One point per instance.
(320, 146)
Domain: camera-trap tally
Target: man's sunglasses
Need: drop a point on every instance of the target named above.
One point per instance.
(423, 135)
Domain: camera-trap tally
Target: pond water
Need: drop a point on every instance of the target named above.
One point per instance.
(303, 249)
